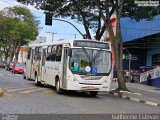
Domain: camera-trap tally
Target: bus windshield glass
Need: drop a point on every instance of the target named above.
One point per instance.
(90, 61)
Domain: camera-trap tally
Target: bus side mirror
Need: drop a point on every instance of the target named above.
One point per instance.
(69, 52)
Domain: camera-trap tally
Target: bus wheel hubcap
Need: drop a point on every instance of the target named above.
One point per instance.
(57, 86)
(36, 79)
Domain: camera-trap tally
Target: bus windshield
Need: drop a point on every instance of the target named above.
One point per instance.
(90, 61)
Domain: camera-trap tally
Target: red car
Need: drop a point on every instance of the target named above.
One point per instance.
(18, 68)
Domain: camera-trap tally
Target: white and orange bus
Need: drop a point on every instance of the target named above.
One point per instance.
(80, 65)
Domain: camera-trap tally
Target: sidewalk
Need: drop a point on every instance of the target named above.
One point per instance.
(1, 92)
(142, 93)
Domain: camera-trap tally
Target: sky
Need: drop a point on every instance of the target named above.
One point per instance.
(61, 29)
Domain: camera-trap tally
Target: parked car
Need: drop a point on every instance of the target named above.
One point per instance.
(18, 68)
(9, 66)
(3, 64)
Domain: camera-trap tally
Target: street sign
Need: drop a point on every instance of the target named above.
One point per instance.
(94, 70)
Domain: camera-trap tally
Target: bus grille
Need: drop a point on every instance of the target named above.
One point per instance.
(85, 77)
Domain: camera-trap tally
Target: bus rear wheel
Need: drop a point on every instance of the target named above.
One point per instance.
(93, 93)
(58, 89)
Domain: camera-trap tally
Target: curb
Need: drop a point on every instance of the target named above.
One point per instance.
(1, 92)
(135, 99)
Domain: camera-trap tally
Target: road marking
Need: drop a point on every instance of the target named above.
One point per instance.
(8, 88)
(33, 90)
(48, 91)
(18, 89)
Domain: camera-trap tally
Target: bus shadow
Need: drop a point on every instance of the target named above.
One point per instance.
(67, 92)
(78, 94)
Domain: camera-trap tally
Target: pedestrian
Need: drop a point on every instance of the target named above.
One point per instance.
(149, 80)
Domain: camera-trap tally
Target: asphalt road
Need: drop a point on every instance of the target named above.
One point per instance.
(24, 97)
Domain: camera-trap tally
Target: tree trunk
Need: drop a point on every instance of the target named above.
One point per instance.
(11, 53)
(116, 40)
(121, 81)
(18, 47)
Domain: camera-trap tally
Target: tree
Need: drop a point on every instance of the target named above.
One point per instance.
(7, 25)
(83, 11)
(19, 27)
(92, 13)
(122, 8)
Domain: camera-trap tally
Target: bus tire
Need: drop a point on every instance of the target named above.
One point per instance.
(93, 93)
(36, 80)
(58, 89)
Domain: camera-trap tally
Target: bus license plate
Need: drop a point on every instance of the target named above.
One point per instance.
(90, 88)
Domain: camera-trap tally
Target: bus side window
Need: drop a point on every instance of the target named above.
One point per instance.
(53, 53)
(48, 57)
(29, 54)
(36, 53)
(58, 52)
(44, 57)
(39, 53)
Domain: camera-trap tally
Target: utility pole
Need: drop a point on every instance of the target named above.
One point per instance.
(129, 64)
(52, 33)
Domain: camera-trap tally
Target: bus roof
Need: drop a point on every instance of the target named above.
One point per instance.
(63, 41)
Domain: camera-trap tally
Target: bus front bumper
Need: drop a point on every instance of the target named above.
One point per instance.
(87, 87)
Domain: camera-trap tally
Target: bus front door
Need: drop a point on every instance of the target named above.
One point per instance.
(64, 70)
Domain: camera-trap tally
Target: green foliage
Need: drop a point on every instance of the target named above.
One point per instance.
(18, 28)
(87, 12)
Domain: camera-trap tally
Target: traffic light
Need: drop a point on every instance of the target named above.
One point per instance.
(48, 19)
(85, 36)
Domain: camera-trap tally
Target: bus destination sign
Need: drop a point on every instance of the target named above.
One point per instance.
(92, 44)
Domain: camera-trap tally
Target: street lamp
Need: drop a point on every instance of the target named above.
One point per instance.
(49, 18)
(69, 23)
(129, 66)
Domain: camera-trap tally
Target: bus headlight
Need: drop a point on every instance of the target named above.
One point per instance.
(72, 78)
(107, 80)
